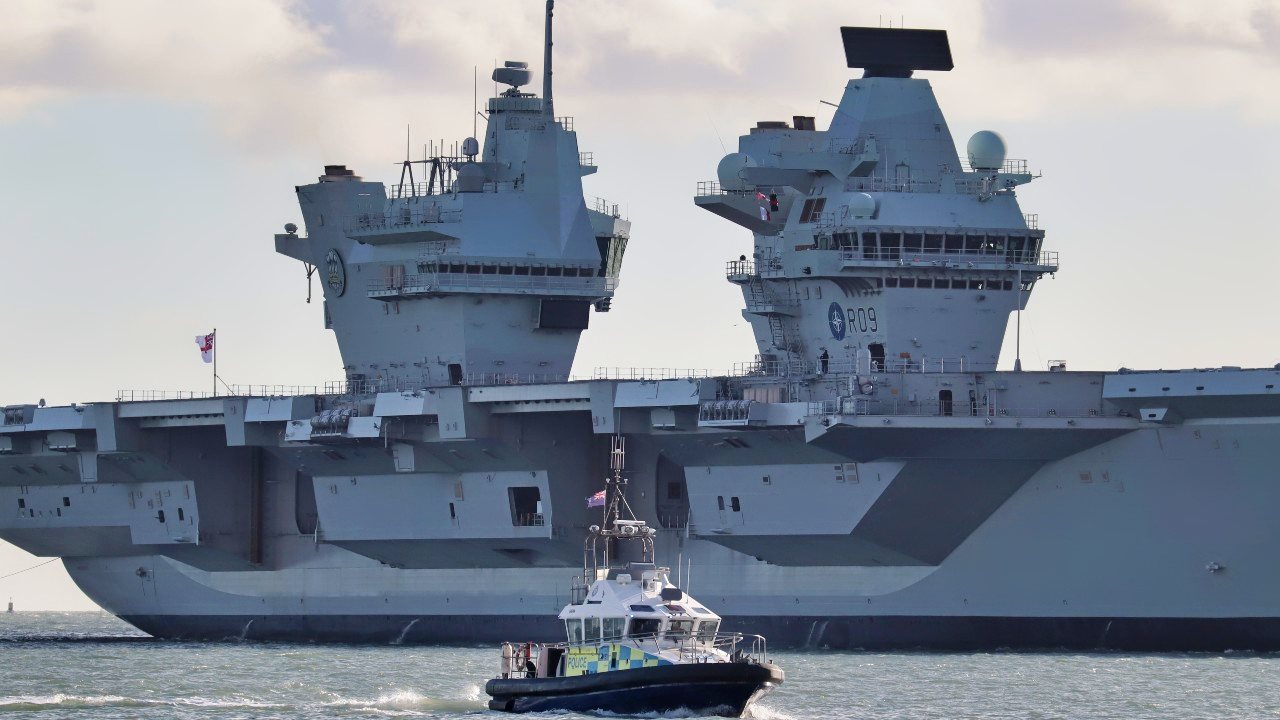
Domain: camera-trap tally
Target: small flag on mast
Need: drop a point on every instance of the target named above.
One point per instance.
(206, 346)
(596, 500)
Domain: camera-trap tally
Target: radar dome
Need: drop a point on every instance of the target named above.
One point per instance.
(729, 171)
(470, 178)
(470, 147)
(862, 205)
(986, 150)
(514, 74)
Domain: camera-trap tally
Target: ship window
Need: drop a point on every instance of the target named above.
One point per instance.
(733, 503)
(160, 515)
(806, 212)
(720, 502)
(59, 511)
(591, 629)
(924, 283)
(680, 628)
(614, 628)
(526, 506)
(932, 243)
(973, 243)
(954, 243)
(66, 501)
(869, 251)
(912, 242)
(907, 282)
(891, 282)
(455, 374)
(181, 516)
(1007, 285)
(645, 626)
(942, 284)
(674, 490)
(976, 285)
(573, 628)
(453, 512)
(707, 629)
(890, 246)
(22, 504)
(522, 270)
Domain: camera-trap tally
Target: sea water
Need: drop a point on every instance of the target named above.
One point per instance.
(91, 665)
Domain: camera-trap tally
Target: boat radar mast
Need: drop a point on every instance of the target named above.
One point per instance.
(619, 521)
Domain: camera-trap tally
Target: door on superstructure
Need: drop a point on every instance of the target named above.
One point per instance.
(877, 357)
(944, 403)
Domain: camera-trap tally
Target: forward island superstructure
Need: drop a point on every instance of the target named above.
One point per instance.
(869, 479)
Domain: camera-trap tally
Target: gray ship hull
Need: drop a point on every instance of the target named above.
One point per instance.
(1154, 539)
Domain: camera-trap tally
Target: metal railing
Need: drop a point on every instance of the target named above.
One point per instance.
(1011, 166)
(587, 159)
(402, 218)
(565, 122)
(602, 206)
(625, 373)
(131, 395)
(949, 257)
(713, 187)
(517, 284)
(1031, 220)
(524, 659)
(897, 407)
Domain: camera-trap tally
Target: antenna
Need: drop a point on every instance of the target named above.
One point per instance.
(475, 96)
(546, 65)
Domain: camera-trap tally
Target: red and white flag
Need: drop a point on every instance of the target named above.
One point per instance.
(596, 500)
(206, 346)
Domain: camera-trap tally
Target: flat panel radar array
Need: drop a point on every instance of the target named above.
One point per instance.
(895, 52)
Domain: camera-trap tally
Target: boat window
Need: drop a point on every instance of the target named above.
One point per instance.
(680, 628)
(591, 629)
(574, 630)
(642, 608)
(720, 502)
(733, 502)
(707, 629)
(645, 626)
(614, 628)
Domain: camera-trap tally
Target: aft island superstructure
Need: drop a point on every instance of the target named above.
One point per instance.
(869, 479)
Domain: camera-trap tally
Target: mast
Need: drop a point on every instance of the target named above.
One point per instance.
(546, 65)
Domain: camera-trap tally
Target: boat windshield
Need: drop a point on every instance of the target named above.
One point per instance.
(574, 630)
(707, 629)
(614, 628)
(645, 626)
(681, 628)
(591, 629)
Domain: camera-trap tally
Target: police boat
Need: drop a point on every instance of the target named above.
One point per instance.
(636, 643)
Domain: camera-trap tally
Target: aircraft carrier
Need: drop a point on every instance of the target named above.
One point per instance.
(869, 480)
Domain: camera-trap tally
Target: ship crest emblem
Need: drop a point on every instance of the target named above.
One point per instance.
(836, 320)
(336, 273)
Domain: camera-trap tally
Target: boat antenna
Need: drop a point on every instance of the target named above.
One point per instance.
(546, 65)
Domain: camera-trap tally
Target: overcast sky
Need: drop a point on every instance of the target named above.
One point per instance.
(149, 149)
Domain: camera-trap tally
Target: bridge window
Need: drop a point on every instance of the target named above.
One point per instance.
(933, 243)
(913, 242)
(645, 626)
(160, 515)
(907, 282)
(891, 282)
(869, 251)
(675, 490)
(924, 283)
(942, 284)
(66, 501)
(573, 629)
(954, 243)
(614, 628)
(973, 243)
(591, 629)
(733, 503)
(720, 502)
(22, 504)
(181, 516)
(890, 246)
(707, 629)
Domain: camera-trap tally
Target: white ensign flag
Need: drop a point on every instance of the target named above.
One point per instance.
(206, 346)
